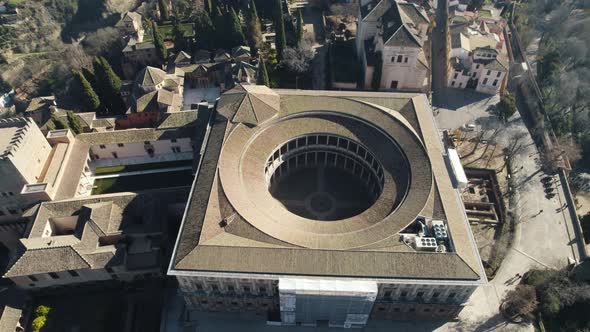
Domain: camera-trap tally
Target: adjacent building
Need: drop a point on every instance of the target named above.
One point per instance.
(392, 45)
(325, 208)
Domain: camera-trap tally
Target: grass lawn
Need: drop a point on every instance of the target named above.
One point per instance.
(186, 28)
(143, 182)
(141, 167)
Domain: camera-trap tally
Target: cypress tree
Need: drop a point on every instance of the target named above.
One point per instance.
(204, 31)
(178, 36)
(299, 27)
(262, 78)
(74, 122)
(89, 76)
(159, 43)
(89, 97)
(164, 13)
(280, 39)
(237, 35)
(110, 86)
(222, 37)
(254, 29)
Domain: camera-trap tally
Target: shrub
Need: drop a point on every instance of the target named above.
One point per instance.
(537, 277)
(550, 304)
(38, 323)
(42, 311)
(507, 106)
(520, 302)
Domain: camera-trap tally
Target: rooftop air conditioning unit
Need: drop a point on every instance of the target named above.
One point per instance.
(425, 243)
(440, 230)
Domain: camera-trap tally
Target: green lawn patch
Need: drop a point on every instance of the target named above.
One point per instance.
(143, 182)
(141, 167)
(186, 28)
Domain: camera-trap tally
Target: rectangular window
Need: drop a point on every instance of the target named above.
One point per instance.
(73, 273)
(460, 85)
(473, 74)
(435, 294)
(399, 58)
(215, 288)
(489, 72)
(485, 81)
(404, 294)
(451, 295)
(33, 278)
(393, 85)
(455, 77)
(199, 286)
(173, 140)
(53, 275)
(495, 83)
(393, 58)
(120, 145)
(420, 294)
(176, 149)
(115, 155)
(262, 290)
(476, 67)
(102, 146)
(146, 142)
(498, 74)
(387, 294)
(109, 270)
(230, 288)
(453, 83)
(246, 289)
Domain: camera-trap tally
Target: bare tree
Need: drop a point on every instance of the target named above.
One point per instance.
(520, 302)
(297, 59)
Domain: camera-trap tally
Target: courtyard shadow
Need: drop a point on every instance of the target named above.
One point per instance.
(453, 99)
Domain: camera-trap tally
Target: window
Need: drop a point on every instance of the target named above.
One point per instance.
(404, 294)
(109, 270)
(435, 294)
(120, 145)
(230, 288)
(33, 278)
(460, 85)
(73, 273)
(215, 288)
(451, 295)
(489, 72)
(399, 58)
(387, 294)
(453, 83)
(473, 74)
(246, 289)
(420, 294)
(495, 83)
(173, 140)
(102, 146)
(406, 60)
(393, 58)
(393, 85)
(146, 142)
(455, 77)
(476, 67)
(115, 155)
(199, 286)
(262, 290)
(498, 74)
(10, 193)
(53, 275)
(485, 81)
(176, 149)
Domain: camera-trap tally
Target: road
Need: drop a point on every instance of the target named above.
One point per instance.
(439, 61)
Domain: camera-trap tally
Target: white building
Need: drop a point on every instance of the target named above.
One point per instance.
(394, 35)
(484, 70)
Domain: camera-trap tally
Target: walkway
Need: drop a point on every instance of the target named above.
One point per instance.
(149, 171)
(158, 158)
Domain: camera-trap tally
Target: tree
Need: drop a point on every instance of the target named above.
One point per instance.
(110, 86)
(164, 13)
(299, 26)
(89, 76)
(57, 122)
(254, 29)
(42, 310)
(38, 323)
(222, 33)
(520, 302)
(89, 97)
(279, 21)
(159, 43)
(262, 78)
(179, 42)
(376, 82)
(204, 31)
(297, 59)
(507, 106)
(183, 8)
(74, 122)
(236, 33)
